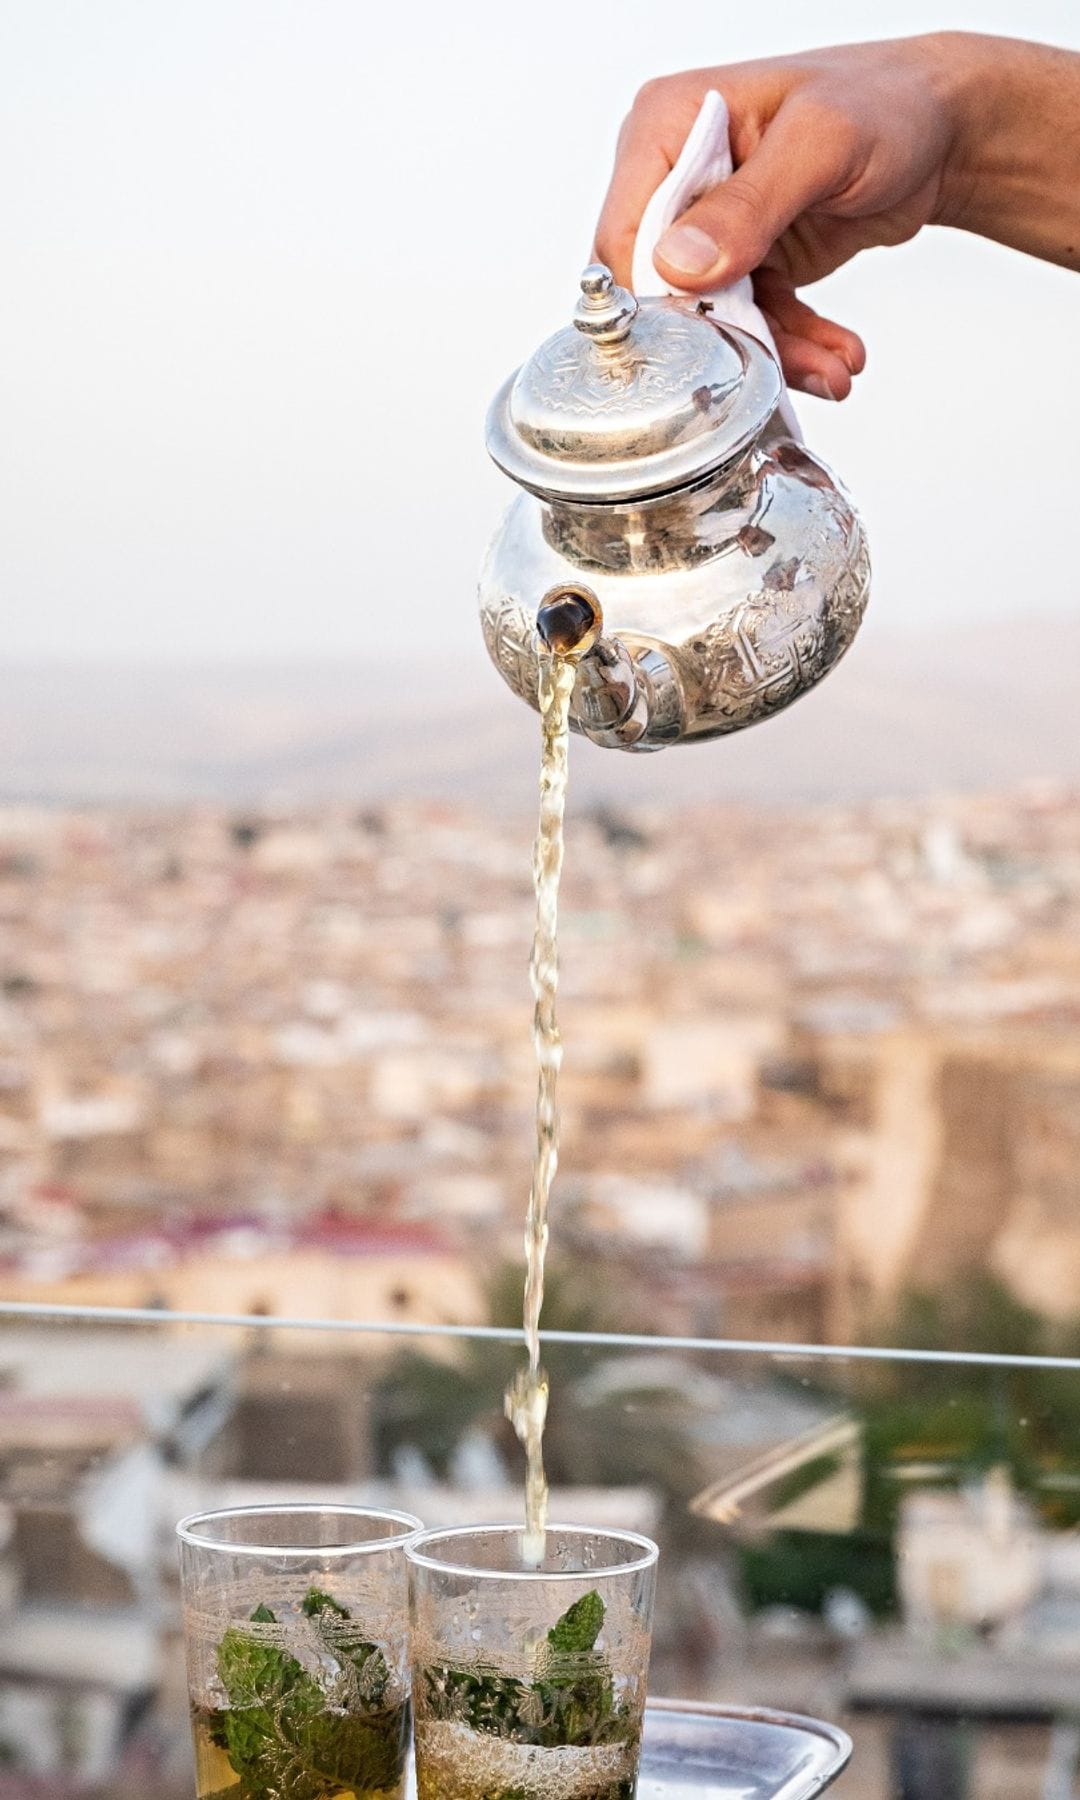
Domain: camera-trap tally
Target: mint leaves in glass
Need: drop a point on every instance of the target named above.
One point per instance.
(295, 1627)
(529, 1682)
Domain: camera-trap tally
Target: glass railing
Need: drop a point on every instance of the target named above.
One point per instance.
(886, 1539)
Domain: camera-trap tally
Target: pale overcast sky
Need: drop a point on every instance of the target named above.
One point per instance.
(264, 263)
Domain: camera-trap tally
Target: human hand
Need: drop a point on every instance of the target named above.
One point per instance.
(834, 151)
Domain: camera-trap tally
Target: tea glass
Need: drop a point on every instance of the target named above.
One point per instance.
(529, 1678)
(295, 1625)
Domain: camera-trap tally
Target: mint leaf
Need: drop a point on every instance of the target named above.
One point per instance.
(576, 1688)
(270, 1696)
(360, 1755)
(253, 1673)
(572, 1702)
(483, 1701)
(362, 1662)
(582, 1711)
(315, 1602)
(281, 1734)
(579, 1627)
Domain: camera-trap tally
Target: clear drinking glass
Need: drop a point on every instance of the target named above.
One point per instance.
(295, 1622)
(529, 1680)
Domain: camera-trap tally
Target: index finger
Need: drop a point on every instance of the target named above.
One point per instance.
(650, 141)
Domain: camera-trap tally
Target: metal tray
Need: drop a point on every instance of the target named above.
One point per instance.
(700, 1752)
(704, 1752)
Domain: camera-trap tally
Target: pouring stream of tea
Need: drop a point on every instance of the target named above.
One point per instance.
(527, 1396)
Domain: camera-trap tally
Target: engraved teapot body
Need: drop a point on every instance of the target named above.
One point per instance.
(704, 567)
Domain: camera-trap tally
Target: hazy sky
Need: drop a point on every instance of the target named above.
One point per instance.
(264, 263)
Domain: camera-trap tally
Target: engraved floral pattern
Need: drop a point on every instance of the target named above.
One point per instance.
(569, 377)
(776, 644)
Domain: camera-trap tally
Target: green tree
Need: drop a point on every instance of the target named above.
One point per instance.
(939, 1425)
(963, 1418)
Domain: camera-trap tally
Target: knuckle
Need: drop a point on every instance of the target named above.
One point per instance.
(652, 96)
(745, 197)
(828, 119)
(615, 245)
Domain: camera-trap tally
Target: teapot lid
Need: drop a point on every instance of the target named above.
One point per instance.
(632, 399)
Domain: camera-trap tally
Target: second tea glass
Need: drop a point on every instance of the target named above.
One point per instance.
(528, 1679)
(295, 1623)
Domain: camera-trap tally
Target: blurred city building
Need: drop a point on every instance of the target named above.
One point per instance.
(281, 1063)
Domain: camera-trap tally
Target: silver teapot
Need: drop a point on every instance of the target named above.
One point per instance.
(700, 564)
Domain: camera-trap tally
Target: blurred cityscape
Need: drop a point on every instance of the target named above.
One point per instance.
(822, 1086)
(282, 1064)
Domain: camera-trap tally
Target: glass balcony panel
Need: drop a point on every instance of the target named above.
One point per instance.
(884, 1540)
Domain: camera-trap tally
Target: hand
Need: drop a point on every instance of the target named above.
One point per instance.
(837, 150)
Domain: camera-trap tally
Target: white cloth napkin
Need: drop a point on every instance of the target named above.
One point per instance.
(705, 161)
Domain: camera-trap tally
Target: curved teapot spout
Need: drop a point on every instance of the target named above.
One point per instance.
(627, 695)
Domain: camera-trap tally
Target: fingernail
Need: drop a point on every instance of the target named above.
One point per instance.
(686, 247)
(817, 384)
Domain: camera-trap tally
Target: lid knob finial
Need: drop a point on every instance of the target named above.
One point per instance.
(605, 311)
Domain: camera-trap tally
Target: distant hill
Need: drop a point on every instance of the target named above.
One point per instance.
(904, 714)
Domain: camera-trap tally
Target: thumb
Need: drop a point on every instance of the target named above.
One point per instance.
(730, 230)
